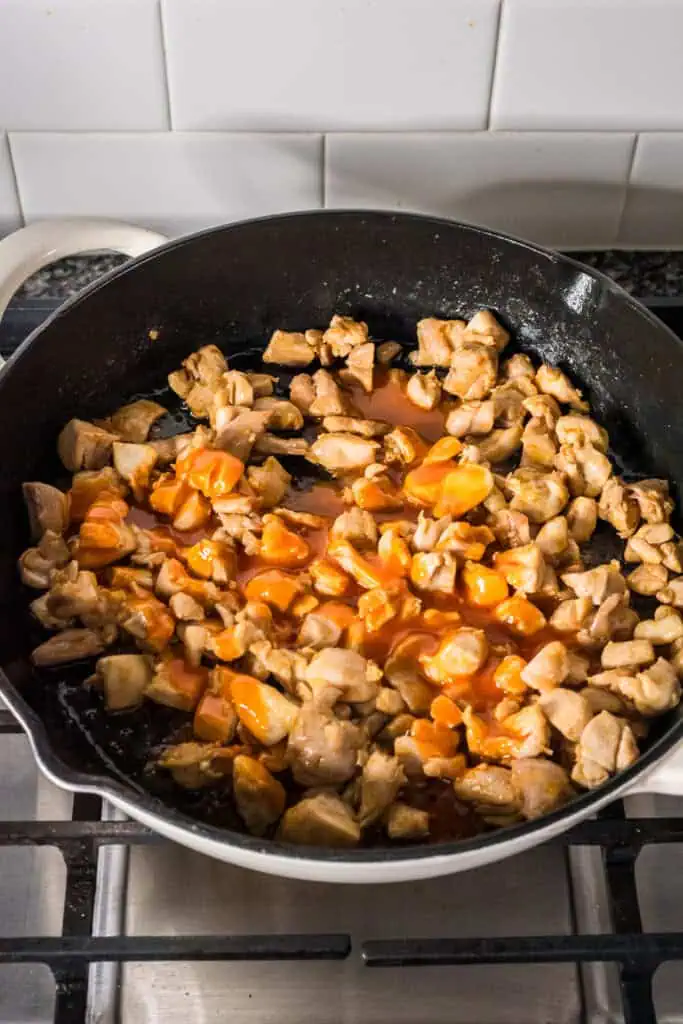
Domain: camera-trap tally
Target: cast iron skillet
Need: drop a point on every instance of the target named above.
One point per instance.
(233, 286)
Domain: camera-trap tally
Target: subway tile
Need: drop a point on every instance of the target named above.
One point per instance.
(173, 182)
(10, 215)
(558, 189)
(653, 214)
(308, 65)
(73, 65)
(612, 65)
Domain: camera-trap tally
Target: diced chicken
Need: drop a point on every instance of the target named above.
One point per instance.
(663, 629)
(406, 822)
(318, 631)
(82, 445)
(134, 462)
(283, 415)
(567, 711)
(263, 710)
(271, 444)
(429, 532)
(491, 789)
(124, 679)
(461, 652)
(424, 390)
(500, 444)
(73, 593)
(69, 645)
(134, 421)
(548, 668)
(553, 538)
(289, 348)
(619, 507)
(360, 366)
(485, 328)
(471, 418)
(38, 565)
(322, 749)
(434, 571)
(239, 430)
(596, 584)
(648, 579)
(652, 691)
(342, 453)
(511, 528)
(627, 653)
(552, 381)
(302, 392)
(541, 784)
(581, 430)
(238, 388)
(260, 798)
(186, 608)
(48, 509)
(472, 374)
(358, 527)
(672, 593)
(437, 340)
(523, 567)
(349, 425)
(519, 367)
(538, 444)
(539, 498)
(582, 517)
(607, 745)
(288, 668)
(571, 615)
(381, 780)
(387, 352)
(653, 498)
(346, 671)
(322, 819)
(270, 482)
(329, 399)
(344, 334)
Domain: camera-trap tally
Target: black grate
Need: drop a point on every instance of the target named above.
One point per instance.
(621, 840)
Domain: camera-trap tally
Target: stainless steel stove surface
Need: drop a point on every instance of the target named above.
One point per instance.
(104, 923)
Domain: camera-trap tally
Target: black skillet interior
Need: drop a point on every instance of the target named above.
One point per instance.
(234, 286)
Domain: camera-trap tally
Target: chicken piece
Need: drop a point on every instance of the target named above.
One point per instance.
(582, 517)
(288, 668)
(552, 381)
(349, 425)
(523, 567)
(73, 593)
(553, 538)
(653, 498)
(571, 615)
(236, 389)
(344, 334)
(404, 446)
(462, 652)
(289, 348)
(321, 819)
(356, 526)
(381, 780)
(471, 418)
(322, 750)
(542, 785)
(389, 701)
(82, 445)
(467, 541)
(302, 392)
(619, 507)
(69, 645)
(360, 367)
(650, 544)
(124, 679)
(603, 700)
(185, 608)
(587, 469)
(148, 620)
(403, 671)
(406, 822)
(500, 444)
(539, 447)
(40, 610)
(627, 653)
(259, 797)
(261, 384)
(48, 508)
(472, 374)
(519, 367)
(567, 711)
(134, 462)
(434, 571)
(37, 566)
(597, 584)
(539, 498)
(672, 593)
(525, 734)
(134, 421)
(329, 399)
(238, 430)
(353, 676)
(387, 352)
(270, 482)
(436, 341)
(653, 691)
(544, 408)
(342, 453)
(424, 390)
(263, 710)
(511, 529)
(613, 620)
(328, 579)
(485, 328)
(647, 579)
(283, 415)
(318, 631)
(607, 745)
(490, 788)
(548, 668)
(429, 532)
(663, 629)
(271, 444)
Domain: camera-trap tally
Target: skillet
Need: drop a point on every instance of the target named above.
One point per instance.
(233, 286)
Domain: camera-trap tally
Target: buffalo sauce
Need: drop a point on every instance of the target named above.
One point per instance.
(389, 403)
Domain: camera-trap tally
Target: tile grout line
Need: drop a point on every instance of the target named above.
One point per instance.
(165, 69)
(494, 65)
(627, 185)
(15, 178)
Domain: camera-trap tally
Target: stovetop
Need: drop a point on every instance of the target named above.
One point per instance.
(101, 921)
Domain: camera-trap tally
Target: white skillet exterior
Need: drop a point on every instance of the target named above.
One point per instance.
(34, 247)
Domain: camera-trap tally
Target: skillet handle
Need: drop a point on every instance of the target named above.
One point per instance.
(34, 247)
(666, 778)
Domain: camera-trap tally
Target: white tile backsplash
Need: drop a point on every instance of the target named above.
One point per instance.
(653, 215)
(173, 182)
(81, 64)
(598, 65)
(10, 214)
(556, 189)
(519, 114)
(314, 65)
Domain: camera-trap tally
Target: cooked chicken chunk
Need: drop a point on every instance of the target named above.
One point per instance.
(485, 328)
(260, 798)
(500, 444)
(134, 462)
(271, 444)
(472, 374)
(619, 507)
(471, 418)
(555, 383)
(652, 691)
(629, 652)
(437, 340)
(321, 819)
(381, 780)
(270, 482)
(387, 352)
(406, 822)
(607, 745)
(596, 584)
(69, 645)
(539, 498)
(124, 679)
(82, 445)
(283, 415)
(342, 453)
(360, 366)
(353, 676)
(647, 579)
(48, 509)
(238, 430)
(289, 348)
(582, 517)
(322, 750)
(434, 571)
(547, 669)
(491, 789)
(349, 425)
(358, 527)
(134, 421)
(567, 711)
(344, 334)
(542, 785)
(654, 502)
(38, 565)
(424, 390)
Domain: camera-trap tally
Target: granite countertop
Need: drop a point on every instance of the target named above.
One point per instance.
(646, 274)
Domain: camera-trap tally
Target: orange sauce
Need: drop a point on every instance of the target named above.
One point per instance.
(389, 403)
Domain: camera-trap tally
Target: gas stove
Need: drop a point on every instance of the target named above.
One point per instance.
(101, 921)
